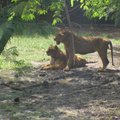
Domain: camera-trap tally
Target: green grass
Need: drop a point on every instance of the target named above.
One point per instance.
(29, 48)
(116, 42)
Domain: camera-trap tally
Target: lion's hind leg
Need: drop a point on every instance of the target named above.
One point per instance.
(103, 55)
(79, 61)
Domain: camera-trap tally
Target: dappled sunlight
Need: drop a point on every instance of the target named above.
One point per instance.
(29, 92)
(83, 93)
(68, 112)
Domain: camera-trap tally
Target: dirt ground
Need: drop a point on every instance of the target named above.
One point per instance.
(79, 94)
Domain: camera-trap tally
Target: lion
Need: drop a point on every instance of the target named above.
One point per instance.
(59, 59)
(84, 45)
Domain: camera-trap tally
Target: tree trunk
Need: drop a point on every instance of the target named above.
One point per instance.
(7, 33)
(69, 23)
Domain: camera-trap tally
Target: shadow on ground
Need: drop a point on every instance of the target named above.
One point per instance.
(80, 94)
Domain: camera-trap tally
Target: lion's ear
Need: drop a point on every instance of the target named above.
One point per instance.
(51, 46)
(62, 30)
(56, 47)
(61, 33)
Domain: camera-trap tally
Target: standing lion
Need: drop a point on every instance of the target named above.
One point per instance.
(84, 45)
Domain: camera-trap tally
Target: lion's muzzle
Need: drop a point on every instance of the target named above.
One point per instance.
(48, 53)
(57, 42)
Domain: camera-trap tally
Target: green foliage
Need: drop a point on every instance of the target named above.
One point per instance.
(10, 54)
(57, 20)
(9, 58)
(72, 3)
(93, 8)
(27, 10)
(102, 8)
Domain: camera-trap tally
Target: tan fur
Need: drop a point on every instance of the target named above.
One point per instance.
(59, 59)
(84, 45)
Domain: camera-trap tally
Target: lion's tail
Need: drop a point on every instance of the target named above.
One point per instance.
(111, 48)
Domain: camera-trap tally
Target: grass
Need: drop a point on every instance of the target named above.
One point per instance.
(30, 49)
(116, 42)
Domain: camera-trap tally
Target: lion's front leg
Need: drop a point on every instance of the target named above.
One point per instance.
(70, 64)
(70, 57)
(53, 67)
(45, 66)
(52, 61)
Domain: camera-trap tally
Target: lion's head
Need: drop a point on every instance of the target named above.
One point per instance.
(59, 38)
(62, 36)
(53, 51)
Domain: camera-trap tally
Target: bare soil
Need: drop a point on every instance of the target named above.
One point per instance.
(79, 94)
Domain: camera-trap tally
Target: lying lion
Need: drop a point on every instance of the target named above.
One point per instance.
(83, 45)
(59, 59)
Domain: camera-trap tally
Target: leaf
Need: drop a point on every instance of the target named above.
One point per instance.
(81, 1)
(15, 1)
(42, 12)
(28, 17)
(56, 20)
(12, 14)
(72, 2)
(37, 2)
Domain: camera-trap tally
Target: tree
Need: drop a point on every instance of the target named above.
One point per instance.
(102, 8)
(13, 10)
(7, 33)
(28, 9)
